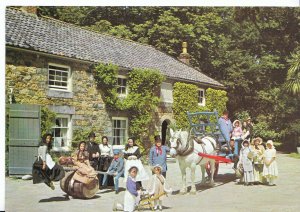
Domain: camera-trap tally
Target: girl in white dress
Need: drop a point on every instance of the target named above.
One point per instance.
(132, 158)
(132, 194)
(270, 171)
(246, 161)
(158, 187)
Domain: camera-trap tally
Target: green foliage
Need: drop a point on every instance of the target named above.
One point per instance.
(295, 155)
(242, 116)
(262, 129)
(292, 84)
(141, 101)
(185, 98)
(47, 120)
(216, 100)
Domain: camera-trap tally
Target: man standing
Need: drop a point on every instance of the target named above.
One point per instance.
(93, 149)
(225, 126)
(158, 155)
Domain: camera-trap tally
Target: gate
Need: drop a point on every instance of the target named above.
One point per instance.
(24, 137)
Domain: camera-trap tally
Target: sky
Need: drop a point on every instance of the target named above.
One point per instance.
(4, 3)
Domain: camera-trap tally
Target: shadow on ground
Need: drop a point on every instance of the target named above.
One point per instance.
(221, 179)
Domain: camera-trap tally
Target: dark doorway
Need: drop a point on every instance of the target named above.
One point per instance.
(164, 127)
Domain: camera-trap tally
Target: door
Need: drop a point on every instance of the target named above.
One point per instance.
(24, 137)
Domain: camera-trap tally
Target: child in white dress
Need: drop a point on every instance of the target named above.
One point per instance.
(246, 157)
(158, 187)
(270, 170)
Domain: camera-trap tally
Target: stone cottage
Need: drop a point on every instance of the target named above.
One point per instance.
(48, 62)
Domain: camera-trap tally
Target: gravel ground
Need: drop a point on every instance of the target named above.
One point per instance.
(226, 195)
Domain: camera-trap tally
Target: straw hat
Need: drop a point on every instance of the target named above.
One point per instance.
(235, 121)
(260, 141)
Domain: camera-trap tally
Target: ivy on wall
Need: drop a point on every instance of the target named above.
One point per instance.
(141, 101)
(186, 99)
(47, 120)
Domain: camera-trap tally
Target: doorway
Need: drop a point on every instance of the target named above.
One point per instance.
(164, 127)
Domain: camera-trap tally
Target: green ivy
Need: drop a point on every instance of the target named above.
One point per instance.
(141, 101)
(186, 99)
(47, 120)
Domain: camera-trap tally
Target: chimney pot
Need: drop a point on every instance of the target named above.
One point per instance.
(30, 9)
(184, 56)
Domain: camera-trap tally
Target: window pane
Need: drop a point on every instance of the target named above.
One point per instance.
(123, 124)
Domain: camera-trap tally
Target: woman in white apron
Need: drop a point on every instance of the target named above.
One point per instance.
(132, 158)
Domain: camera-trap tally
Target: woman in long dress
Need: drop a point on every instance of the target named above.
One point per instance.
(132, 156)
(44, 169)
(85, 173)
(246, 161)
(270, 170)
(105, 159)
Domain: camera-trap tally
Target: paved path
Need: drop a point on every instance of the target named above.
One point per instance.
(225, 196)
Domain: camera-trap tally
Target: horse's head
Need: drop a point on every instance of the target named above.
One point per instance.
(177, 140)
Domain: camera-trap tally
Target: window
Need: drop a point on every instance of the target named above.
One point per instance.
(59, 77)
(201, 97)
(121, 86)
(62, 132)
(120, 128)
(166, 92)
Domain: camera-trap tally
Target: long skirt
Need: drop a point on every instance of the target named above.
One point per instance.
(104, 163)
(271, 170)
(141, 175)
(47, 175)
(248, 177)
(257, 171)
(129, 202)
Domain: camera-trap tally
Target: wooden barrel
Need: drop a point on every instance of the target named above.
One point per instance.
(79, 190)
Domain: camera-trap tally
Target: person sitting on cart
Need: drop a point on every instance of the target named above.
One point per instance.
(231, 150)
(116, 169)
(225, 126)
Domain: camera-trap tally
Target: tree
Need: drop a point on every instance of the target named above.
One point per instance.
(292, 84)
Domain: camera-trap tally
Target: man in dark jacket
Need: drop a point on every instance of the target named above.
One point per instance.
(93, 149)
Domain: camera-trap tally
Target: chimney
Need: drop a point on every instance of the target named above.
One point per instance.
(30, 9)
(184, 56)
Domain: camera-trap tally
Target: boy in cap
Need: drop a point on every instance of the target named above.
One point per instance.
(116, 169)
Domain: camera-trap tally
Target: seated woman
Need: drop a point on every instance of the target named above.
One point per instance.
(85, 173)
(44, 169)
(132, 156)
(106, 157)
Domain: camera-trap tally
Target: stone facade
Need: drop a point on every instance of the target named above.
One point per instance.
(27, 74)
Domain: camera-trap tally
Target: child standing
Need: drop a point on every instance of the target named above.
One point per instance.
(237, 131)
(158, 186)
(131, 193)
(258, 163)
(246, 161)
(270, 170)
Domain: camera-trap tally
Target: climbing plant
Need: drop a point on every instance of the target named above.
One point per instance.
(47, 120)
(141, 101)
(186, 99)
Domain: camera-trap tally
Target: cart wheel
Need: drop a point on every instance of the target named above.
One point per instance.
(208, 171)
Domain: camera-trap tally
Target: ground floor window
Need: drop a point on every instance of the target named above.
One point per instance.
(62, 132)
(119, 131)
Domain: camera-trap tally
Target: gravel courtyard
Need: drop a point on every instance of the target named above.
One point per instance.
(226, 195)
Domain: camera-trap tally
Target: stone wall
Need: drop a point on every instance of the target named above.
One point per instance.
(27, 74)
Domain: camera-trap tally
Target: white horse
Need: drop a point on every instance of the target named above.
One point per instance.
(186, 150)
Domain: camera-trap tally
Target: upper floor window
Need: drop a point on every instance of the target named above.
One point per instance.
(59, 77)
(122, 86)
(166, 92)
(201, 97)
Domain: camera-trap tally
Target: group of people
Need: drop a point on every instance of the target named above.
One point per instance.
(92, 161)
(254, 163)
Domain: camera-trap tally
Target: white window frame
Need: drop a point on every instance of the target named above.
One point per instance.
(126, 87)
(198, 96)
(69, 78)
(122, 143)
(68, 140)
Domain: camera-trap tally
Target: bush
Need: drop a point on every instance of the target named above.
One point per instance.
(47, 120)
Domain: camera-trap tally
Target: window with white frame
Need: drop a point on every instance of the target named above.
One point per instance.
(59, 77)
(201, 97)
(62, 132)
(119, 131)
(121, 86)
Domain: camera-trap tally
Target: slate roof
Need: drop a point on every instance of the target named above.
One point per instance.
(59, 38)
